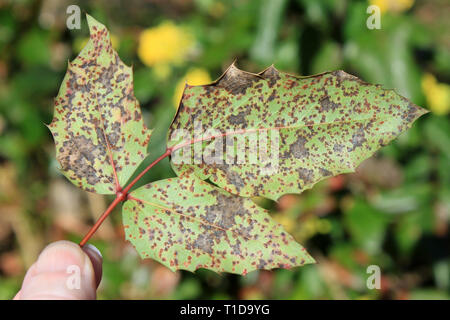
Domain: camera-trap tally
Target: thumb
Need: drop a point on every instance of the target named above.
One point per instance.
(63, 271)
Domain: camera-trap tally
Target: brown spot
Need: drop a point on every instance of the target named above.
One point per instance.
(223, 213)
(238, 119)
(204, 243)
(325, 173)
(327, 104)
(358, 138)
(298, 149)
(307, 175)
(236, 81)
(232, 176)
(78, 155)
(338, 147)
(271, 74)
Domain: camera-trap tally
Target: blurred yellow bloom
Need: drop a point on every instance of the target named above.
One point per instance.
(164, 44)
(194, 77)
(437, 94)
(115, 42)
(323, 226)
(162, 71)
(313, 226)
(287, 222)
(392, 5)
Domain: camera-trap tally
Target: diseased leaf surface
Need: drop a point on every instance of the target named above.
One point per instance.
(316, 126)
(327, 124)
(186, 223)
(98, 129)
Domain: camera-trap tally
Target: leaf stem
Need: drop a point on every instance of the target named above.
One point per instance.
(121, 196)
(140, 175)
(102, 218)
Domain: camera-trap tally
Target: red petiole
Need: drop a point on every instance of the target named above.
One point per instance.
(121, 195)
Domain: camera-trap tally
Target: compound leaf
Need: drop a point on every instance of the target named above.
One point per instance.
(97, 126)
(283, 133)
(273, 133)
(187, 223)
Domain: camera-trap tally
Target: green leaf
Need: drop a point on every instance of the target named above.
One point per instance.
(384, 57)
(316, 127)
(98, 128)
(271, 13)
(186, 223)
(34, 48)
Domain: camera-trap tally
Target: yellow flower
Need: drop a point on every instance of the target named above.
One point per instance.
(115, 42)
(392, 5)
(162, 71)
(307, 229)
(310, 227)
(164, 44)
(286, 221)
(437, 94)
(194, 77)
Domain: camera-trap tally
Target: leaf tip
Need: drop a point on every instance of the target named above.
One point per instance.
(236, 80)
(341, 74)
(269, 72)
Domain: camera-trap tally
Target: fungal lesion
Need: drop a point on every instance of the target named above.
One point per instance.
(358, 138)
(231, 176)
(297, 149)
(204, 243)
(239, 119)
(307, 175)
(271, 74)
(220, 218)
(237, 81)
(327, 104)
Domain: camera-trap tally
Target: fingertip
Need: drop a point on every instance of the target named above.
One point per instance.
(17, 296)
(59, 255)
(63, 270)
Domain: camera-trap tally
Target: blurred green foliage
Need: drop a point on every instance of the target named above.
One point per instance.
(393, 212)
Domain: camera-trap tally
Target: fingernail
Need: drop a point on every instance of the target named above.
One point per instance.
(94, 248)
(96, 259)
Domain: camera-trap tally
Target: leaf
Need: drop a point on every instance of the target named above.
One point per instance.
(317, 127)
(98, 128)
(186, 223)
